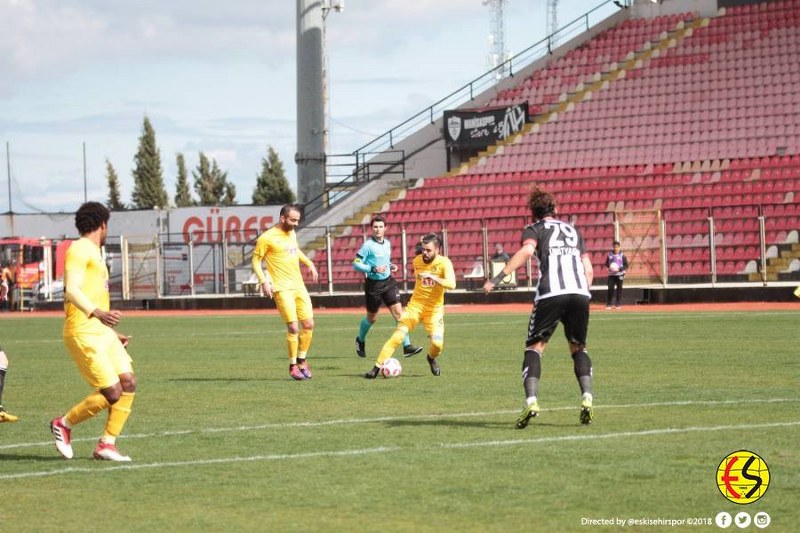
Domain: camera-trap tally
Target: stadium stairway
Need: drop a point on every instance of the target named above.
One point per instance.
(364, 213)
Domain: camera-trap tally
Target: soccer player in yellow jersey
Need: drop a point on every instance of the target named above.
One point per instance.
(284, 283)
(433, 274)
(89, 335)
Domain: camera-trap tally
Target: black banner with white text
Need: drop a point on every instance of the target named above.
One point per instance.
(481, 128)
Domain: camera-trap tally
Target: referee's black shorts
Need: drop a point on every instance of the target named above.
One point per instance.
(381, 291)
(572, 310)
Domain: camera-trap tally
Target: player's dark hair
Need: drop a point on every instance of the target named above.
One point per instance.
(291, 207)
(616, 243)
(430, 238)
(90, 216)
(541, 203)
(377, 218)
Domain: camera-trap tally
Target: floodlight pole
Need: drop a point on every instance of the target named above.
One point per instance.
(8, 170)
(312, 96)
(85, 197)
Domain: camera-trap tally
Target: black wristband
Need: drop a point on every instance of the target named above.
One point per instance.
(498, 278)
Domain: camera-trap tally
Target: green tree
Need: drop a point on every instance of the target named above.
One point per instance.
(114, 202)
(211, 183)
(230, 194)
(272, 187)
(183, 195)
(148, 179)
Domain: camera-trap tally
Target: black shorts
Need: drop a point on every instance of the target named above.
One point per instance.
(572, 310)
(381, 291)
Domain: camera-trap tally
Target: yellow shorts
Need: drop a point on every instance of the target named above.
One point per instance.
(432, 319)
(100, 358)
(294, 304)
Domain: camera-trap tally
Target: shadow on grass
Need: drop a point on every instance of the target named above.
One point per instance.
(223, 380)
(451, 423)
(26, 457)
(511, 425)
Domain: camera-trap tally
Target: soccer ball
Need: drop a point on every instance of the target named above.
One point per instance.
(391, 368)
(613, 267)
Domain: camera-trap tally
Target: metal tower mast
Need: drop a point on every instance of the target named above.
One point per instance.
(552, 20)
(497, 40)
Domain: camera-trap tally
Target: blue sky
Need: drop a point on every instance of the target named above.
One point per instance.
(217, 77)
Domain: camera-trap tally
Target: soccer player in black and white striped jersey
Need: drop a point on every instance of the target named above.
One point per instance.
(562, 295)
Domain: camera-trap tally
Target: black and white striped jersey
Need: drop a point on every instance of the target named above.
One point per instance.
(559, 247)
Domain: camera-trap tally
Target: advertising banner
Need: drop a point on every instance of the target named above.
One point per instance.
(481, 128)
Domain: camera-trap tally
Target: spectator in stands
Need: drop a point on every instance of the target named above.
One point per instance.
(4, 416)
(374, 260)
(434, 275)
(617, 264)
(283, 281)
(500, 254)
(562, 295)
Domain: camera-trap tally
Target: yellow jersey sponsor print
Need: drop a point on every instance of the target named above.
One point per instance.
(283, 257)
(427, 293)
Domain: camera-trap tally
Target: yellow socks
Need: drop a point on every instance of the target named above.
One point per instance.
(90, 406)
(291, 344)
(305, 341)
(117, 416)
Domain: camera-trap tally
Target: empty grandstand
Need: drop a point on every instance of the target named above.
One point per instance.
(672, 129)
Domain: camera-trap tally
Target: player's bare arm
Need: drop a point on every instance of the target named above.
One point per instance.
(313, 270)
(588, 269)
(266, 288)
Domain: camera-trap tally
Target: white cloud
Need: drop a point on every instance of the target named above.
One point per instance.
(217, 77)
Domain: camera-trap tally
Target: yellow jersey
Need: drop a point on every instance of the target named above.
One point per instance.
(427, 293)
(85, 259)
(283, 259)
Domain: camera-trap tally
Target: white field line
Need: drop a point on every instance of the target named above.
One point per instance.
(379, 419)
(370, 451)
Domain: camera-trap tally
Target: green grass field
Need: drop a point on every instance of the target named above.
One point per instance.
(223, 440)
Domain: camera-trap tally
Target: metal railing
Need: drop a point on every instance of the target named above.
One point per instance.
(347, 172)
(749, 247)
(489, 78)
(468, 92)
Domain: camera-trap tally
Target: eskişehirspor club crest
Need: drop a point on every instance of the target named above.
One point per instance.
(454, 127)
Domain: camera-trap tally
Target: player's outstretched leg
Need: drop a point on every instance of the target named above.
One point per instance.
(583, 372)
